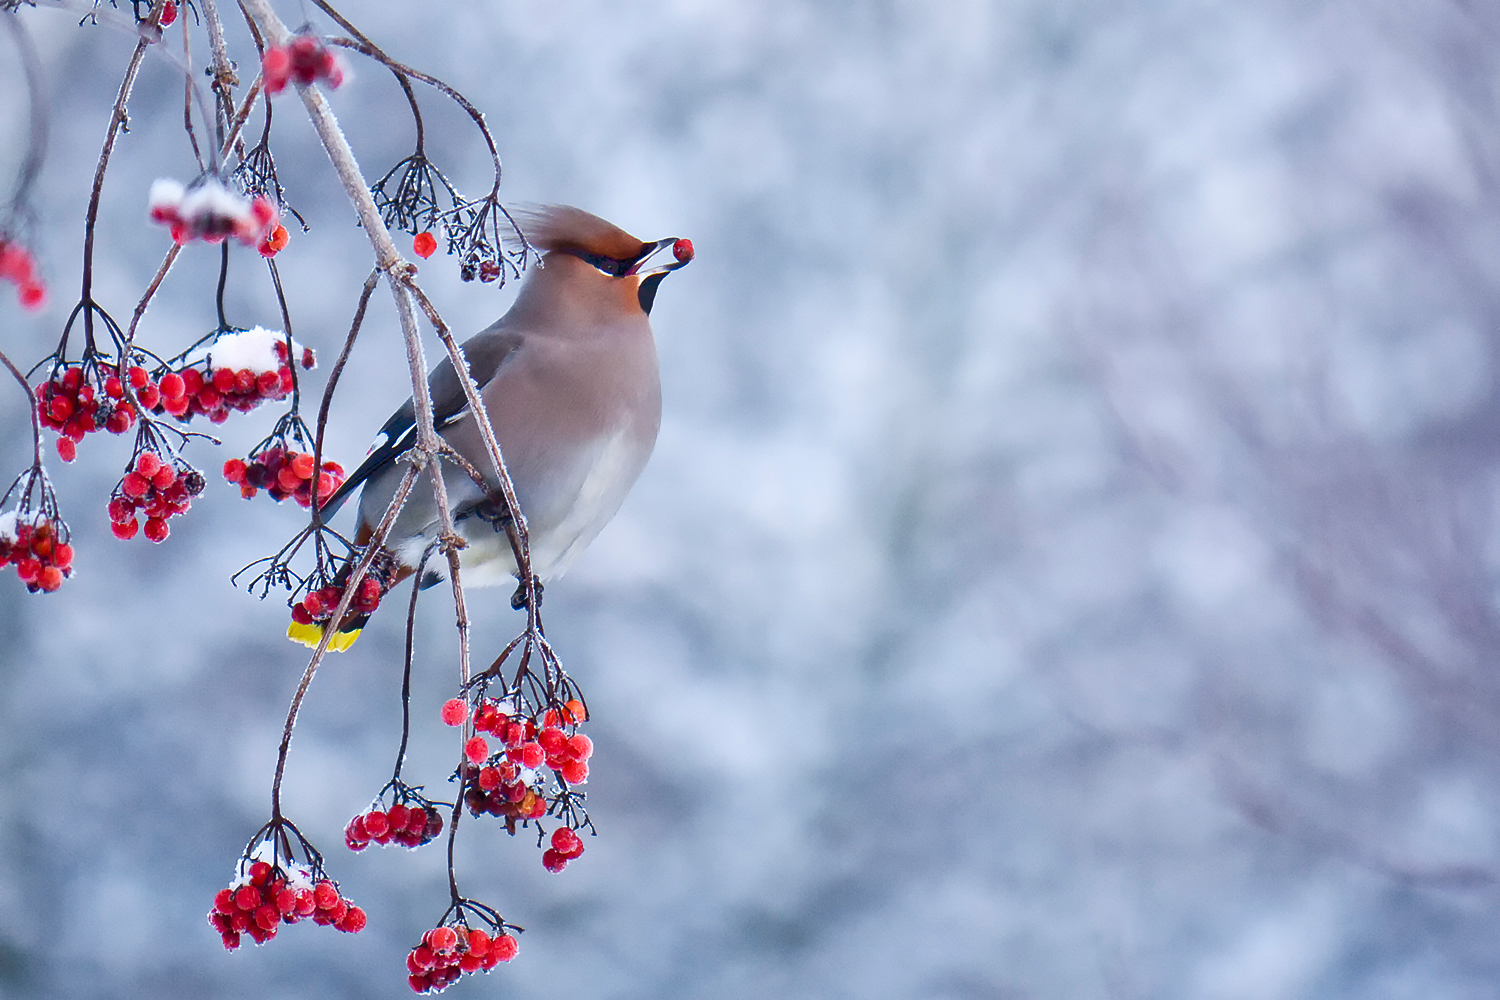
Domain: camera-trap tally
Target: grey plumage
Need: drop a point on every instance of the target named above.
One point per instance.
(569, 379)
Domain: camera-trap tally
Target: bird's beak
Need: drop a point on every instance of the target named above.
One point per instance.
(682, 252)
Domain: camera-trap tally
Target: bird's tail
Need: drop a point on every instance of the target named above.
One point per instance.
(313, 615)
(310, 634)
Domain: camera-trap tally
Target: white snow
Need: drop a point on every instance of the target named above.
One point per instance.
(254, 349)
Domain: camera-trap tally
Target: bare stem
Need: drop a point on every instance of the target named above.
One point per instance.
(36, 424)
(117, 119)
(350, 589)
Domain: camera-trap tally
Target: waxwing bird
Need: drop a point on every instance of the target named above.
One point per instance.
(569, 379)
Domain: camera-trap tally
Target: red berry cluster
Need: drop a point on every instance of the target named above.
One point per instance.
(258, 904)
(283, 473)
(506, 785)
(158, 489)
(218, 389)
(70, 405)
(407, 825)
(319, 605)
(35, 546)
(304, 59)
(530, 745)
(19, 267)
(566, 845)
(207, 210)
(448, 952)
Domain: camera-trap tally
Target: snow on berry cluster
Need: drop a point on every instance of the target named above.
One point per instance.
(37, 547)
(72, 405)
(305, 60)
(449, 951)
(283, 473)
(240, 369)
(408, 824)
(159, 490)
(19, 267)
(207, 210)
(263, 898)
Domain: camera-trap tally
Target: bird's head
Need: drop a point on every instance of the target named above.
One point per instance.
(561, 230)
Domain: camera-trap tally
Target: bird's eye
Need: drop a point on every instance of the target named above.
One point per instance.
(610, 266)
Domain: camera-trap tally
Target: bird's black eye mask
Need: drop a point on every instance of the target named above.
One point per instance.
(609, 265)
(682, 253)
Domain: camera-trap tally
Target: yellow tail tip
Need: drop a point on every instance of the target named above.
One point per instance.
(312, 634)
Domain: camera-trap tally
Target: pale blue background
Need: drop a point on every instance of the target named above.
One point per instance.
(1067, 569)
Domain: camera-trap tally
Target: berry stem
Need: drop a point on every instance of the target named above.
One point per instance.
(411, 626)
(117, 119)
(333, 381)
(36, 424)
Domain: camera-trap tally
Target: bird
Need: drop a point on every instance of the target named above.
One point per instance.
(570, 382)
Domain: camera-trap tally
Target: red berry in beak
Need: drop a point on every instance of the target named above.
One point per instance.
(683, 250)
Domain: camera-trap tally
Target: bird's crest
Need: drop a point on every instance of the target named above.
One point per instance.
(563, 227)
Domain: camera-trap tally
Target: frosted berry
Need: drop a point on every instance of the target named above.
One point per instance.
(455, 711)
(424, 246)
(34, 544)
(275, 242)
(477, 749)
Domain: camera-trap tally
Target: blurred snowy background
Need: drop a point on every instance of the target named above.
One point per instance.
(1067, 569)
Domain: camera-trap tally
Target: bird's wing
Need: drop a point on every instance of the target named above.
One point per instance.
(486, 353)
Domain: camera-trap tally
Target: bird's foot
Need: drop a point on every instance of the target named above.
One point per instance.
(493, 514)
(518, 599)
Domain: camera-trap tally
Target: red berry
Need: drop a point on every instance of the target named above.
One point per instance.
(567, 842)
(574, 772)
(156, 529)
(125, 530)
(442, 940)
(138, 377)
(574, 712)
(148, 464)
(33, 295)
(455, 711)
(554, 860)
(49, 579)
(66, 449)
(532, 755)
(173, 386)
(376, 823)
(325, 894)
(168, 13)
(353, 921)
(683, 250)
(504, 947)
(477, 750)
(307, 902)
(424, 246)
(581, 747)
